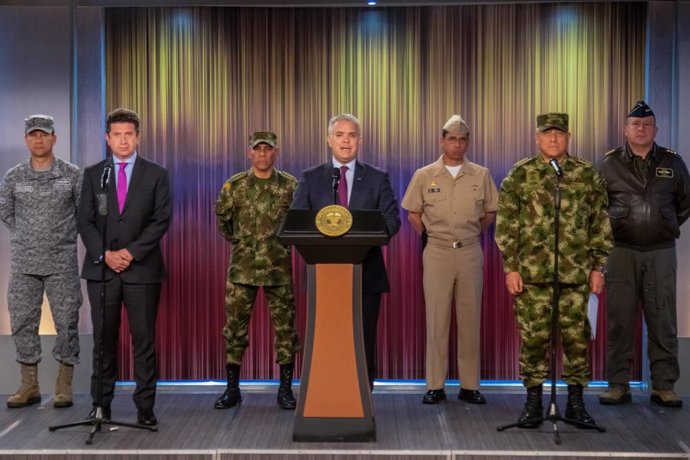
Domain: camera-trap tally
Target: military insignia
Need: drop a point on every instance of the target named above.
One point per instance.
(666, 173)
(433, 190)
(63, 185)
(226, 185)
(533, 177)
(333, 220)
(24, 188)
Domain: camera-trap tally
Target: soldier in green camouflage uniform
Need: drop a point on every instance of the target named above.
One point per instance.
(249, 209)
(525, 235)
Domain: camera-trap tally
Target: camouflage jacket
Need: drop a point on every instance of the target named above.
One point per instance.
(525, 221)
(39, 208)
(249, 211)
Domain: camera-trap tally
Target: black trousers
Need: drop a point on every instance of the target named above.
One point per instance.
(647, 280)
(141, 304)
(371, 304)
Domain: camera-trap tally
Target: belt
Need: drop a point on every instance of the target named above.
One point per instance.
(444, 243)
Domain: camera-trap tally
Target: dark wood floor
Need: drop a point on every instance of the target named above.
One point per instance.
(189, 427)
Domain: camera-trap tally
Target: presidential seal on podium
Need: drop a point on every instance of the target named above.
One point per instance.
(333, 220)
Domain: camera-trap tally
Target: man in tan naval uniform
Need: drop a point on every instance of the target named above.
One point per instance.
(453, 200)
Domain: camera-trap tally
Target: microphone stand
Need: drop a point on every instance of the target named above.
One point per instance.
(98, 420)
(335, 176)
(552, 413)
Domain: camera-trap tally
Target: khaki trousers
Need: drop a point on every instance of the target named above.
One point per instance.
(452, 273)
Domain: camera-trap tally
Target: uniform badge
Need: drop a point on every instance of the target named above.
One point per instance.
(433, 188)
(226, 186)
(23, 187)
(63, 185)
(666, 173)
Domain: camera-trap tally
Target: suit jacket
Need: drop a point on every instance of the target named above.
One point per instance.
(143, 222)
(371, 190)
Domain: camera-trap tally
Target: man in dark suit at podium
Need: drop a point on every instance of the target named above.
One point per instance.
(361, 187)
(137, 207)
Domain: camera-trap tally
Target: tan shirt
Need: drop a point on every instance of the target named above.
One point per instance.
(451, 207)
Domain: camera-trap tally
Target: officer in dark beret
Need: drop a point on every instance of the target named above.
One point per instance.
(649, 199)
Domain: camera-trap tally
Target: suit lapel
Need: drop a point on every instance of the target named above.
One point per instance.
(358, 184)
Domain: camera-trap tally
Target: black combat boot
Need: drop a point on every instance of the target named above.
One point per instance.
(285, 398)
(534, 411)
(232, 396)
(575, 410)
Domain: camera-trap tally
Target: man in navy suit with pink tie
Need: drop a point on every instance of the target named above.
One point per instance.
(361, 187)
(128, 198)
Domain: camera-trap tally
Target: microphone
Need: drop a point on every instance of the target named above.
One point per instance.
(335, 176)
(105, 176)
(556, 167)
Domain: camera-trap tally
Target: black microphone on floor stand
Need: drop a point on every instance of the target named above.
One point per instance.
(98, 418)
(552, 413)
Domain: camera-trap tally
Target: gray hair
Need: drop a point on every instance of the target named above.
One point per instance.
(343, 117)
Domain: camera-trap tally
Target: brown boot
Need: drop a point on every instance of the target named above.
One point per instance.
(28, 393)
(63, 386)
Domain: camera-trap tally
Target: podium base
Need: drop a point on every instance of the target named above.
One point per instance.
(334, 429)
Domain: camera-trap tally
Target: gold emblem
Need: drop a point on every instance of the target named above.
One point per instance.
(664, 172)
(333, 220)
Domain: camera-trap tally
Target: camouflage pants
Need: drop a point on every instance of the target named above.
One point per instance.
(24, 300)
(533, 311)
(239, 299)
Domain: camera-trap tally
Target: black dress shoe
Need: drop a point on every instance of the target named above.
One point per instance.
(471, 396)
(146, 417)
(105, 413)
(434, 396)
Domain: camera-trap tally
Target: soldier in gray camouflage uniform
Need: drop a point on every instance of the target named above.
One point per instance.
(38, 204)
(249, 209)
(525, 236)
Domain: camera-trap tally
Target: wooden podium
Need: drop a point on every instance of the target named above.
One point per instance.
(334, 400)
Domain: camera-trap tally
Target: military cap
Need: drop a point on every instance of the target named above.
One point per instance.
(456, 124)
(640, 110)
(552, 120)
(39, 123)
(265, 137)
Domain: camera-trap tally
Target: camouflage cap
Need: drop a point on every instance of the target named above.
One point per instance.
(265, 137)
(39, 123)
(640, 110)
(552, 120)
(457, 125)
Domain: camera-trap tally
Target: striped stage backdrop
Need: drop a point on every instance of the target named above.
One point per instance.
(204, 78)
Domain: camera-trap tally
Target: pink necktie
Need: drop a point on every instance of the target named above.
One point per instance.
(342, 186)
(121, 186)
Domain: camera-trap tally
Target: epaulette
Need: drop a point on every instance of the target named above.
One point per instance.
(582, 161)
(612, 151)
(287, 176)
(671, 151)
(238, 176)
(522, 162)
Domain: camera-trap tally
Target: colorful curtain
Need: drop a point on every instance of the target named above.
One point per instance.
(204, 78)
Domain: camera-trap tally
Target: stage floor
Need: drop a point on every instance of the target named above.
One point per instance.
(190, 428)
